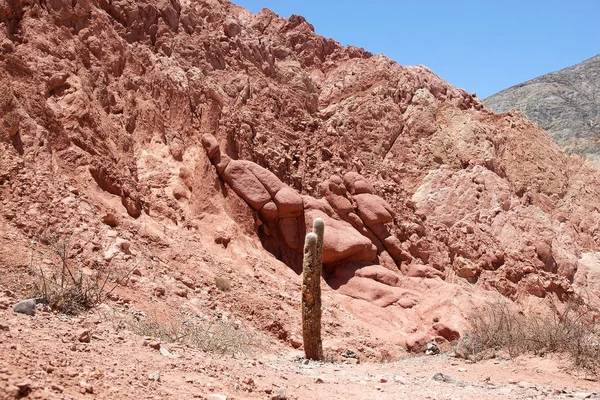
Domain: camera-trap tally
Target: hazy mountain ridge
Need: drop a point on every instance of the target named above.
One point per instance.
(566, 103)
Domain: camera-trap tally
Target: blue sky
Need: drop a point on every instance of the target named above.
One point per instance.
(483, 46)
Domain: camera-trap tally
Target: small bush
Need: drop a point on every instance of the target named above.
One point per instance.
(223, 284)
(218, 337)
(65, 290)
(570, 330)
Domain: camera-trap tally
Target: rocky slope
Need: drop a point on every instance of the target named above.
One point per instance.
(195, 140)
(565, 103)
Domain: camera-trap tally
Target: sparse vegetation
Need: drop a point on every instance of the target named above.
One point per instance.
(217, 337)
(223, 284)
(568, 329)
(62, 287)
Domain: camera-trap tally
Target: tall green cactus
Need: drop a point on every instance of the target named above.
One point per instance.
(311, 291)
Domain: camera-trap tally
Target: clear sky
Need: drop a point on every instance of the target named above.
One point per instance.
(483, 46)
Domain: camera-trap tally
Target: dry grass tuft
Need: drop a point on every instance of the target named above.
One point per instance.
(218, 337)
(64, 288)
(571, 330)
(223, 284)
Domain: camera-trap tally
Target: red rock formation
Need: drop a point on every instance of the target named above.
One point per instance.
(196, 121)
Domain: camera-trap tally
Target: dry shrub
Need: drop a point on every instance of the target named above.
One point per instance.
(223, 284)
(571, 330)
(65, 289)
(217, 337)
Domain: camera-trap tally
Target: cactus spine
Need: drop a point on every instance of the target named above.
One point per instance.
(311, 291)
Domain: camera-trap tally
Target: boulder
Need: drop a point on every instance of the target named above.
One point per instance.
(290, 232)
(333, 185)
(340, 204)
(246, 184)
(357, 184)
(310, 203)
(211, 145)
(341, 240)
(269, 211)
(417, 341)
(465, 268)
(26, 307)
(180, 192)
(446, 331)
(394, 247)
(289, 202)
(268, 179)
(373, 210)
(231, 28)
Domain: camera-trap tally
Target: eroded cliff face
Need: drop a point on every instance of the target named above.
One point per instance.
(212, 137)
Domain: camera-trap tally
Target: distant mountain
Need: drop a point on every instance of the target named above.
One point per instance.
(565, 103)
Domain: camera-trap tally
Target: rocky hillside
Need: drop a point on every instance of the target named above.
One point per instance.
(195, 140)
(565, 103)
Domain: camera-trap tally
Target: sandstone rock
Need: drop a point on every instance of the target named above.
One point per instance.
(154, 344)
(380, 274)
(220, 161)
(25, 387)
(290, 231)
(341, 240)
(340, 204)
(119, 246)
(289, 202)
(180, 192)
(269, 211)
(211, 145)
(180, 291)
(110, 219)
(231, 28)
(356, 184)
(222, 238)
(86, 387)
(416, 342)
(423, 271)
(544, 253)
(356, 222)
(268, 179)
(246, 184)
(334, 185)
(407, 302)
(310, 203)
(394, 247)
(465, 268)
(159, 291)
(84, 336)
(446, 331)
(373, 209)
(176, 149)
(374, 292)
(186, 175)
